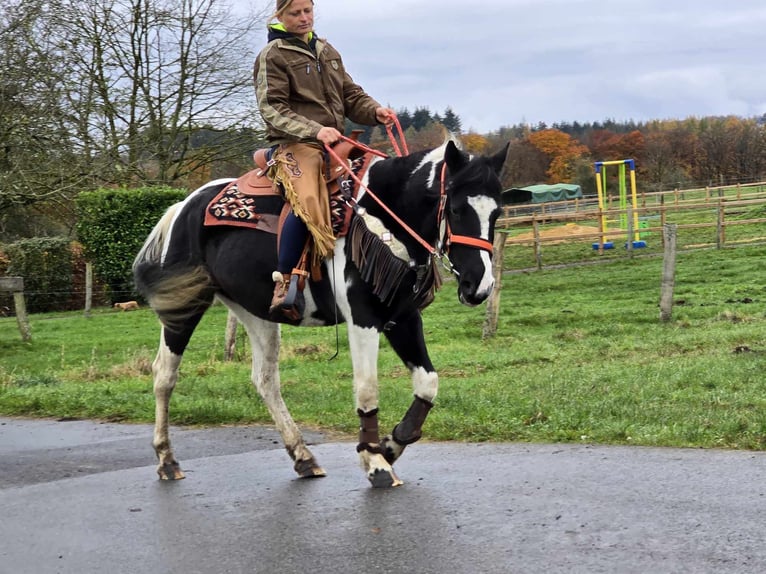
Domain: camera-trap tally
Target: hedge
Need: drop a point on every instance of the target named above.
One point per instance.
(113, 224)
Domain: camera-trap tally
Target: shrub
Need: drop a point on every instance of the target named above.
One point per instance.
(112, 225)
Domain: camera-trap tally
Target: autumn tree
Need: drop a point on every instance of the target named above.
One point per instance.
(474, 143)
(430, 136)
(670, 151)
(525, 164)
(561, 150)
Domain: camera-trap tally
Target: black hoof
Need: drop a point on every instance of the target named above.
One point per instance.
(170, 471)
(309, 469)
(383, 479)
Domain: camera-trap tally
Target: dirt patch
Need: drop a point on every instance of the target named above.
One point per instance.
(566, 232)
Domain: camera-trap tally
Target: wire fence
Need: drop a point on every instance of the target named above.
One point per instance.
(706, 217)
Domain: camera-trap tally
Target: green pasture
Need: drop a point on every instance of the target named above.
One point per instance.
(579, 356)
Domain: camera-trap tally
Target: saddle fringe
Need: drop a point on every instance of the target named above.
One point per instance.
(383, 270)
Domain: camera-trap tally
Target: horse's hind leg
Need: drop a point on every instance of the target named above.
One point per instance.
(264, 339)
(165, 371)
(406, 338)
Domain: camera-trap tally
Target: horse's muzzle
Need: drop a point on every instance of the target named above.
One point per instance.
(469, 295)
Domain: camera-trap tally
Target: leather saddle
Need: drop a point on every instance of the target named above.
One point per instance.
(257, 182)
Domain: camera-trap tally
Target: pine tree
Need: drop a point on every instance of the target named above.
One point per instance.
(451, 121)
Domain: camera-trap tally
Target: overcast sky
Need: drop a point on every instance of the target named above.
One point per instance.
(503, 62)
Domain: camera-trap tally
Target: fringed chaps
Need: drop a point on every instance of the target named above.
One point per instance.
(299, 168)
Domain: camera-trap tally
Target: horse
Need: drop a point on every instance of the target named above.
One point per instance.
(409, 213)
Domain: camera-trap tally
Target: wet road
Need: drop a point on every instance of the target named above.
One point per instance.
(81, 497)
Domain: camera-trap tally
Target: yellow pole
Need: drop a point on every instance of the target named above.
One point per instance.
(600, 191)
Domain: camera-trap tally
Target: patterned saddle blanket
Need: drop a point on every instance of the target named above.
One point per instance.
(254, 201)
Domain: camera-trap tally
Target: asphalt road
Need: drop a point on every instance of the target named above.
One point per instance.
(82, 497)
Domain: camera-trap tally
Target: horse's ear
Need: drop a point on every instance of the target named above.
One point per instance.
(454, 158)
(498, 160)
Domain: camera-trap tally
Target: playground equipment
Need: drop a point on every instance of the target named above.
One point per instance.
(636, 242)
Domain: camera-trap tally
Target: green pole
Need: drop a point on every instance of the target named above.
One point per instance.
(623, 199)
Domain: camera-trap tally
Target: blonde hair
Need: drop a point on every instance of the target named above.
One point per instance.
(283, 5)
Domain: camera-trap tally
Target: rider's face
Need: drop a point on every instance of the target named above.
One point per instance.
(298, 18)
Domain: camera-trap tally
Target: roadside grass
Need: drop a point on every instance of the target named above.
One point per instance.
(579, 356)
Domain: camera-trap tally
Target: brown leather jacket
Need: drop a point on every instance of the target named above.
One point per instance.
(303, 87)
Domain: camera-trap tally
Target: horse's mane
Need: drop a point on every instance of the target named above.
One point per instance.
(477, 173)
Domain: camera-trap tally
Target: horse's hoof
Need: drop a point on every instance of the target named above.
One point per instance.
(381, 478)
(309, 469)
(170, 471)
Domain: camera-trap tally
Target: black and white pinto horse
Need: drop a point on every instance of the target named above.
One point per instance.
(183, 266)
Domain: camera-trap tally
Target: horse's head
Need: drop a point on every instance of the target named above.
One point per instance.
(473, 204)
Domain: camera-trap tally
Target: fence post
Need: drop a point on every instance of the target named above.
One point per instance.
(15, 285)
(669, 232)
(629, 244)
(493, 303)
(538, 244)
(88, 287)
(230, 339)
(721, 226)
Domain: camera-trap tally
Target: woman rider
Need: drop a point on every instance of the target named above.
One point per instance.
(304, 95)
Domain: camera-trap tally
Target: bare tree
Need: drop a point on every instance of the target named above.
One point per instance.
(146, 75)
(36, 160)
(112, 92)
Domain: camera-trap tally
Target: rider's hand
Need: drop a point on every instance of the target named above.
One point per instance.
(328, 135)
(385, 115)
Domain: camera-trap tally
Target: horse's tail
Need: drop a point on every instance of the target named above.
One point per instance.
(175, 291)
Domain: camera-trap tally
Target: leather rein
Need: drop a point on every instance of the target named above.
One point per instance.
(439, 251)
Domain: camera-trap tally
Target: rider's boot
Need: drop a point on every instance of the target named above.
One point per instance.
(284, 302)
(279, 307)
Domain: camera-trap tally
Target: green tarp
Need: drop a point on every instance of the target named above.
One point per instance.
(555, 192)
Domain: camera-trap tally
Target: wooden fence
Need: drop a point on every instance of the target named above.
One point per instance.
(706, 210)
(677, 197)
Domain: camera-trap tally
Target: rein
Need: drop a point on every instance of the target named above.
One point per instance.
(432, 250)
(441, 250)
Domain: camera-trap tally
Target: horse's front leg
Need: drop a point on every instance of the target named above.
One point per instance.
(406, 338)
(363, 343)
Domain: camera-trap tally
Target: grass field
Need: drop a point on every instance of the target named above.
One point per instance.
(580, 355)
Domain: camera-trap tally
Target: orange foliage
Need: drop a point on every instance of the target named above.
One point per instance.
(474, 143)
(561, 149)
(608, 146)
